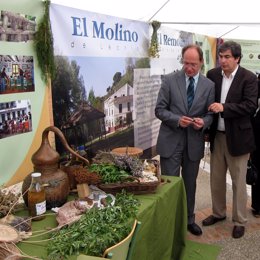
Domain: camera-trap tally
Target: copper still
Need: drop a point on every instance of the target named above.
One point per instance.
(46, 161)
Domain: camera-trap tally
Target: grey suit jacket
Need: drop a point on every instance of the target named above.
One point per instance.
(172, 104)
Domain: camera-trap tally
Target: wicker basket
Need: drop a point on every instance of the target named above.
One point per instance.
(131, 151)
(135, 187)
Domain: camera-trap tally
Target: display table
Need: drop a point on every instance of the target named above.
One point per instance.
(163, 218)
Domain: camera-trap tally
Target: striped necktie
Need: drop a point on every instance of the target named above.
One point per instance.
(190, 92)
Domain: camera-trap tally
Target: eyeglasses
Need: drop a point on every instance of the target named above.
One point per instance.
(188, 64)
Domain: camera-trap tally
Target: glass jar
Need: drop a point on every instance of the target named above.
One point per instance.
(36, 197)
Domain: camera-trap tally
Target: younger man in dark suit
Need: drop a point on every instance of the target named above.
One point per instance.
(231, 134)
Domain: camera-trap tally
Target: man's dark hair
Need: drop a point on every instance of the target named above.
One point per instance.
(234, 47)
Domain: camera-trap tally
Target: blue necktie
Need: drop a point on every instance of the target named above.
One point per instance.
(190, 92)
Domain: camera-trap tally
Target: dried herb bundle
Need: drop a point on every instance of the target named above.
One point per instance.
(83, 175)
(9, 251)
(43, 43)
(8, 200)
(153, 50)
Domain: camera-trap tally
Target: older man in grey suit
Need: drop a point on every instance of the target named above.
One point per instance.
(182, 106)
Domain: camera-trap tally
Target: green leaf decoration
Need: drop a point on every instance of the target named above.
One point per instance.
(43, 43)
(96, 230)
(153, 50)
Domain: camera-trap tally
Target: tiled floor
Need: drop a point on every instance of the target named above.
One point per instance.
(223, 229)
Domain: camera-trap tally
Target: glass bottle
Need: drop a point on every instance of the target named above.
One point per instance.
(36, 197)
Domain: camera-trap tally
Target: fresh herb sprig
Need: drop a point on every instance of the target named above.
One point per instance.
(109, 173)
(96, 230)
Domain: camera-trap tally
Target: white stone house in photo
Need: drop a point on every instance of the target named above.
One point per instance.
(118, 108)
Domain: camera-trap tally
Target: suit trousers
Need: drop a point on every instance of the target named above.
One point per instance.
(220, 162)
(189, 171)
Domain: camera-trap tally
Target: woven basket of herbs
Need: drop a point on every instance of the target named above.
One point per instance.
(124, 172)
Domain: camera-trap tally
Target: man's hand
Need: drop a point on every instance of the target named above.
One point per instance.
(198, 123)
(185, 121)
(216, 107)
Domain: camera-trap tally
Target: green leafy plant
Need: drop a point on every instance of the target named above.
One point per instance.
(96, 230)
(43, 43)
(109, 173)
(153, 50)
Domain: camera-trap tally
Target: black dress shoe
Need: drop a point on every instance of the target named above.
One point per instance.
(194, 229)
(238, 231)
(256, 213)
(211, 220)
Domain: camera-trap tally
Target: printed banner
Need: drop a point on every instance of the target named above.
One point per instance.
(82, 33)
(118, 81)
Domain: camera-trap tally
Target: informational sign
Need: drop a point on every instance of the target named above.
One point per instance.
(250, 55)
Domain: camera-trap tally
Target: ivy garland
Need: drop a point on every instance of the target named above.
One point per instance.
(153, 50)
(43, 43)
